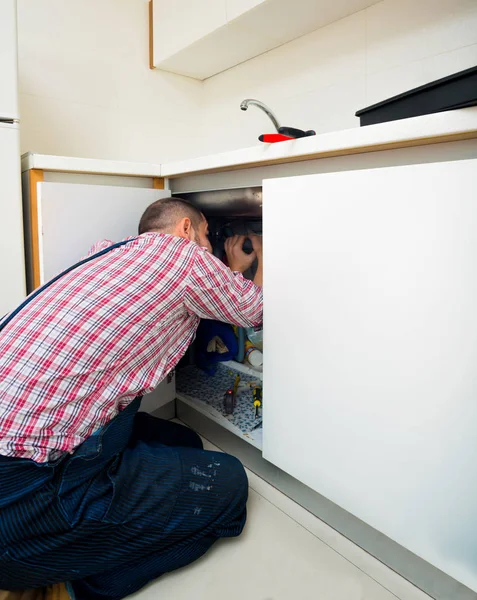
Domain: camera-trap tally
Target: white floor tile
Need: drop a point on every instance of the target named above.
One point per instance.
(390, 580)
(284, 553)
(375, 569)
(275, 558)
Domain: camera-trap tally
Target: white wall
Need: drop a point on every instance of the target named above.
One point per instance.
(320, 80)
(86, 88)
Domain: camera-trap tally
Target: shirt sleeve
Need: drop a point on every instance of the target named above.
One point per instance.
(213, 291)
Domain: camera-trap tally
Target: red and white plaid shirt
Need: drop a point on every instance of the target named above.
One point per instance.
(106, 332)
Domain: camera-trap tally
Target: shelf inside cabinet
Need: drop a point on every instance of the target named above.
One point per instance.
(205, 394)
(254, 438)
(233, 364)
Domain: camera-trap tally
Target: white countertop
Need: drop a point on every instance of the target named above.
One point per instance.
(425, 129)
(428, 129)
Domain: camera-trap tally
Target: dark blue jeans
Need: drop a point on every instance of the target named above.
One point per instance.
(135, 500)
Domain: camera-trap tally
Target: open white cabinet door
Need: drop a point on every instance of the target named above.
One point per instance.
(73, 217)
(370, 374)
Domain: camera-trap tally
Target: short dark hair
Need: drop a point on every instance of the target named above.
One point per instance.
(163, 214)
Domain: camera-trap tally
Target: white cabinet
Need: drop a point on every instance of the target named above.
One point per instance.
(201, 39)
(370, 327)
(370, 340)
(165, 393)
(70, 218)
(12, 261)
(73, 217)
(180, 23)
(12, 264)
(236, 8)
(8, 60)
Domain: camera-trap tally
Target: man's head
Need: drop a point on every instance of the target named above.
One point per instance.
(178, 217)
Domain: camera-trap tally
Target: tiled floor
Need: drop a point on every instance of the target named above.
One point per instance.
(285, 553)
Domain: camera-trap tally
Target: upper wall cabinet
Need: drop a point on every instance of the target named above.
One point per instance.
(201, 39)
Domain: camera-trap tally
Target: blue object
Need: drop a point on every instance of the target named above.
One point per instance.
(206, 332)
(240, 356)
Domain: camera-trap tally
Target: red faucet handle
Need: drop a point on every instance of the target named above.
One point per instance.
(273, 138)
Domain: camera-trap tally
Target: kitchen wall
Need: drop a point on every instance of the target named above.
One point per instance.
(86, 88)
(320, 80)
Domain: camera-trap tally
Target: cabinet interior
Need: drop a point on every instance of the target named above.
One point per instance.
(229, 212)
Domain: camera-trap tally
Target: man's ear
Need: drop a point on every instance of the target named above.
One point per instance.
(184, 228)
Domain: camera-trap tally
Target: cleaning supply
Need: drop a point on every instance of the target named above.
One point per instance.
(253, 355)
(255, 335)
(230, 397)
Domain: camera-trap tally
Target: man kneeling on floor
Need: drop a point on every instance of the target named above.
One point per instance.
(92, 493)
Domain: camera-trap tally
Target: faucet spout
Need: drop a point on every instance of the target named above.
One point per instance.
(251, 102)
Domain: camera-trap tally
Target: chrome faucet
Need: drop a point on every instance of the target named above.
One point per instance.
(249, 101)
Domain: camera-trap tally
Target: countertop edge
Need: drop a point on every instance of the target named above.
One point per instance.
(68, 164)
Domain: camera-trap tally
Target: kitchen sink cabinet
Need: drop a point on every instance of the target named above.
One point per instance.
(369, 351)
(370, 342)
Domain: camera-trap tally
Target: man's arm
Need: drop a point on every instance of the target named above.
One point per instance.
(258, 249)
(214, 291)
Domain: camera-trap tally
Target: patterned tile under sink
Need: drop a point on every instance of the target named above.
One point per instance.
(198, 385)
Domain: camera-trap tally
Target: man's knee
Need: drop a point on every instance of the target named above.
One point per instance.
(192, 439)
(152, 430)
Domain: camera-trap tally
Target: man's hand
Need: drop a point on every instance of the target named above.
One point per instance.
(257, 245)
(238, 259)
